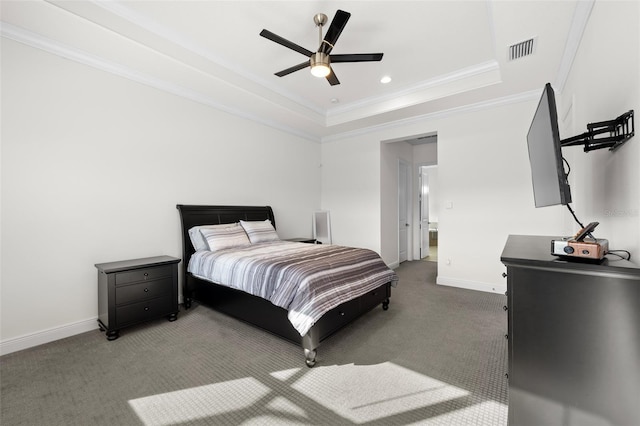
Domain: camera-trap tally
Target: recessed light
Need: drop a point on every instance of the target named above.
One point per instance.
(386, 79)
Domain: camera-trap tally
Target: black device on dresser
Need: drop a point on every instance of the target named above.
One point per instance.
(136, 290)
(573, 339)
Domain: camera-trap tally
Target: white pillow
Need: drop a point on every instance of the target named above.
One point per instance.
(260, 231)
(221, 238)
(197, 239)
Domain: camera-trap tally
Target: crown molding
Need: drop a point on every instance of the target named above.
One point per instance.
(418, 93)
(192, 46)
(579, 22)
(37, 41)
(415, 94)
(409, 96)
(531, 95)
(40, 42)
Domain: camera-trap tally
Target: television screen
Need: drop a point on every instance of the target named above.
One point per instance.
(550, 185)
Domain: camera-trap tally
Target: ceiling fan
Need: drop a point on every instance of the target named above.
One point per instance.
(320, 61)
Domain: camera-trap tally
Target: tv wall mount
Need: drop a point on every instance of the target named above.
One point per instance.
(620, 130)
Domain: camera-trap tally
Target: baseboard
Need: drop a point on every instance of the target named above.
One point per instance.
(45, 336)
(472, 285)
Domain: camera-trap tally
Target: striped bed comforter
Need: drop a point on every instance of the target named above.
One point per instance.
(305, 279)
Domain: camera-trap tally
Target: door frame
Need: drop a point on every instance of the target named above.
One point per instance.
(423, 203)
(418, 206)
(406, 186)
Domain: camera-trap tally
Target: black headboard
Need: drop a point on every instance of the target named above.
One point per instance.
(191, 216)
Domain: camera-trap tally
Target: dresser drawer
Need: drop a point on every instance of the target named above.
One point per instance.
(347, 312)
(143, 290)
(145, 310)
(144, 274)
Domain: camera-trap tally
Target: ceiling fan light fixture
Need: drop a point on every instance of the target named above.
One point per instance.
(320, 64)
(320, 71)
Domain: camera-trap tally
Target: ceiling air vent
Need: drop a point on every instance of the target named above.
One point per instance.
(524, 48)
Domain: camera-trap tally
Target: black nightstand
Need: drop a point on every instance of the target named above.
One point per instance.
(137, 290)
(303, 240)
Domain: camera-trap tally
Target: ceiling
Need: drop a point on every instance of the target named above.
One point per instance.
(441, 55)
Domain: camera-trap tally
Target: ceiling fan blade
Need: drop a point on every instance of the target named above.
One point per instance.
(357, 57)
(334, 31)
(332, 79)
(294, 68)
(286, 43)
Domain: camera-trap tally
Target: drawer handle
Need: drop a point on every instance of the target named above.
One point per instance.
(146, 290)
(146, 275)
(146, 308)
(341, 313)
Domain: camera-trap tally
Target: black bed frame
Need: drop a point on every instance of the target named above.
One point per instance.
(255, 310)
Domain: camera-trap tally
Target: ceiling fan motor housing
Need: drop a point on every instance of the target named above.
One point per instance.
(319, 58)
(320, 19)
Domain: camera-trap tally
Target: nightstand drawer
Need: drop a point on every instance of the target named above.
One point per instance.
(143, 274)
(143, 290)
(145, 310)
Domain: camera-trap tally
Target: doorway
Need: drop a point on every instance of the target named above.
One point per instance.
(399, 192)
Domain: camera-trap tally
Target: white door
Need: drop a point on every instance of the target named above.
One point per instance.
(424, 212)
(403, 211)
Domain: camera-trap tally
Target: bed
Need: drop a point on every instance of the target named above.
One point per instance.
(201, 287)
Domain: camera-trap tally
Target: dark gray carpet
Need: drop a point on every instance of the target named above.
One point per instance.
(436, 357)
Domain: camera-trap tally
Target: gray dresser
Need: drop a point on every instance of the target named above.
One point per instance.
(574, 337)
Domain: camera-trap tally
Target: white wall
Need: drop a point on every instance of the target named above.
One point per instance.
(485, 190)
(93, 166)
(483, 168)
(604, 83)
(350, 182)
(434, 198)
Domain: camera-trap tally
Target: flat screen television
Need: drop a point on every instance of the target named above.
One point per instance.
(550, 186)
